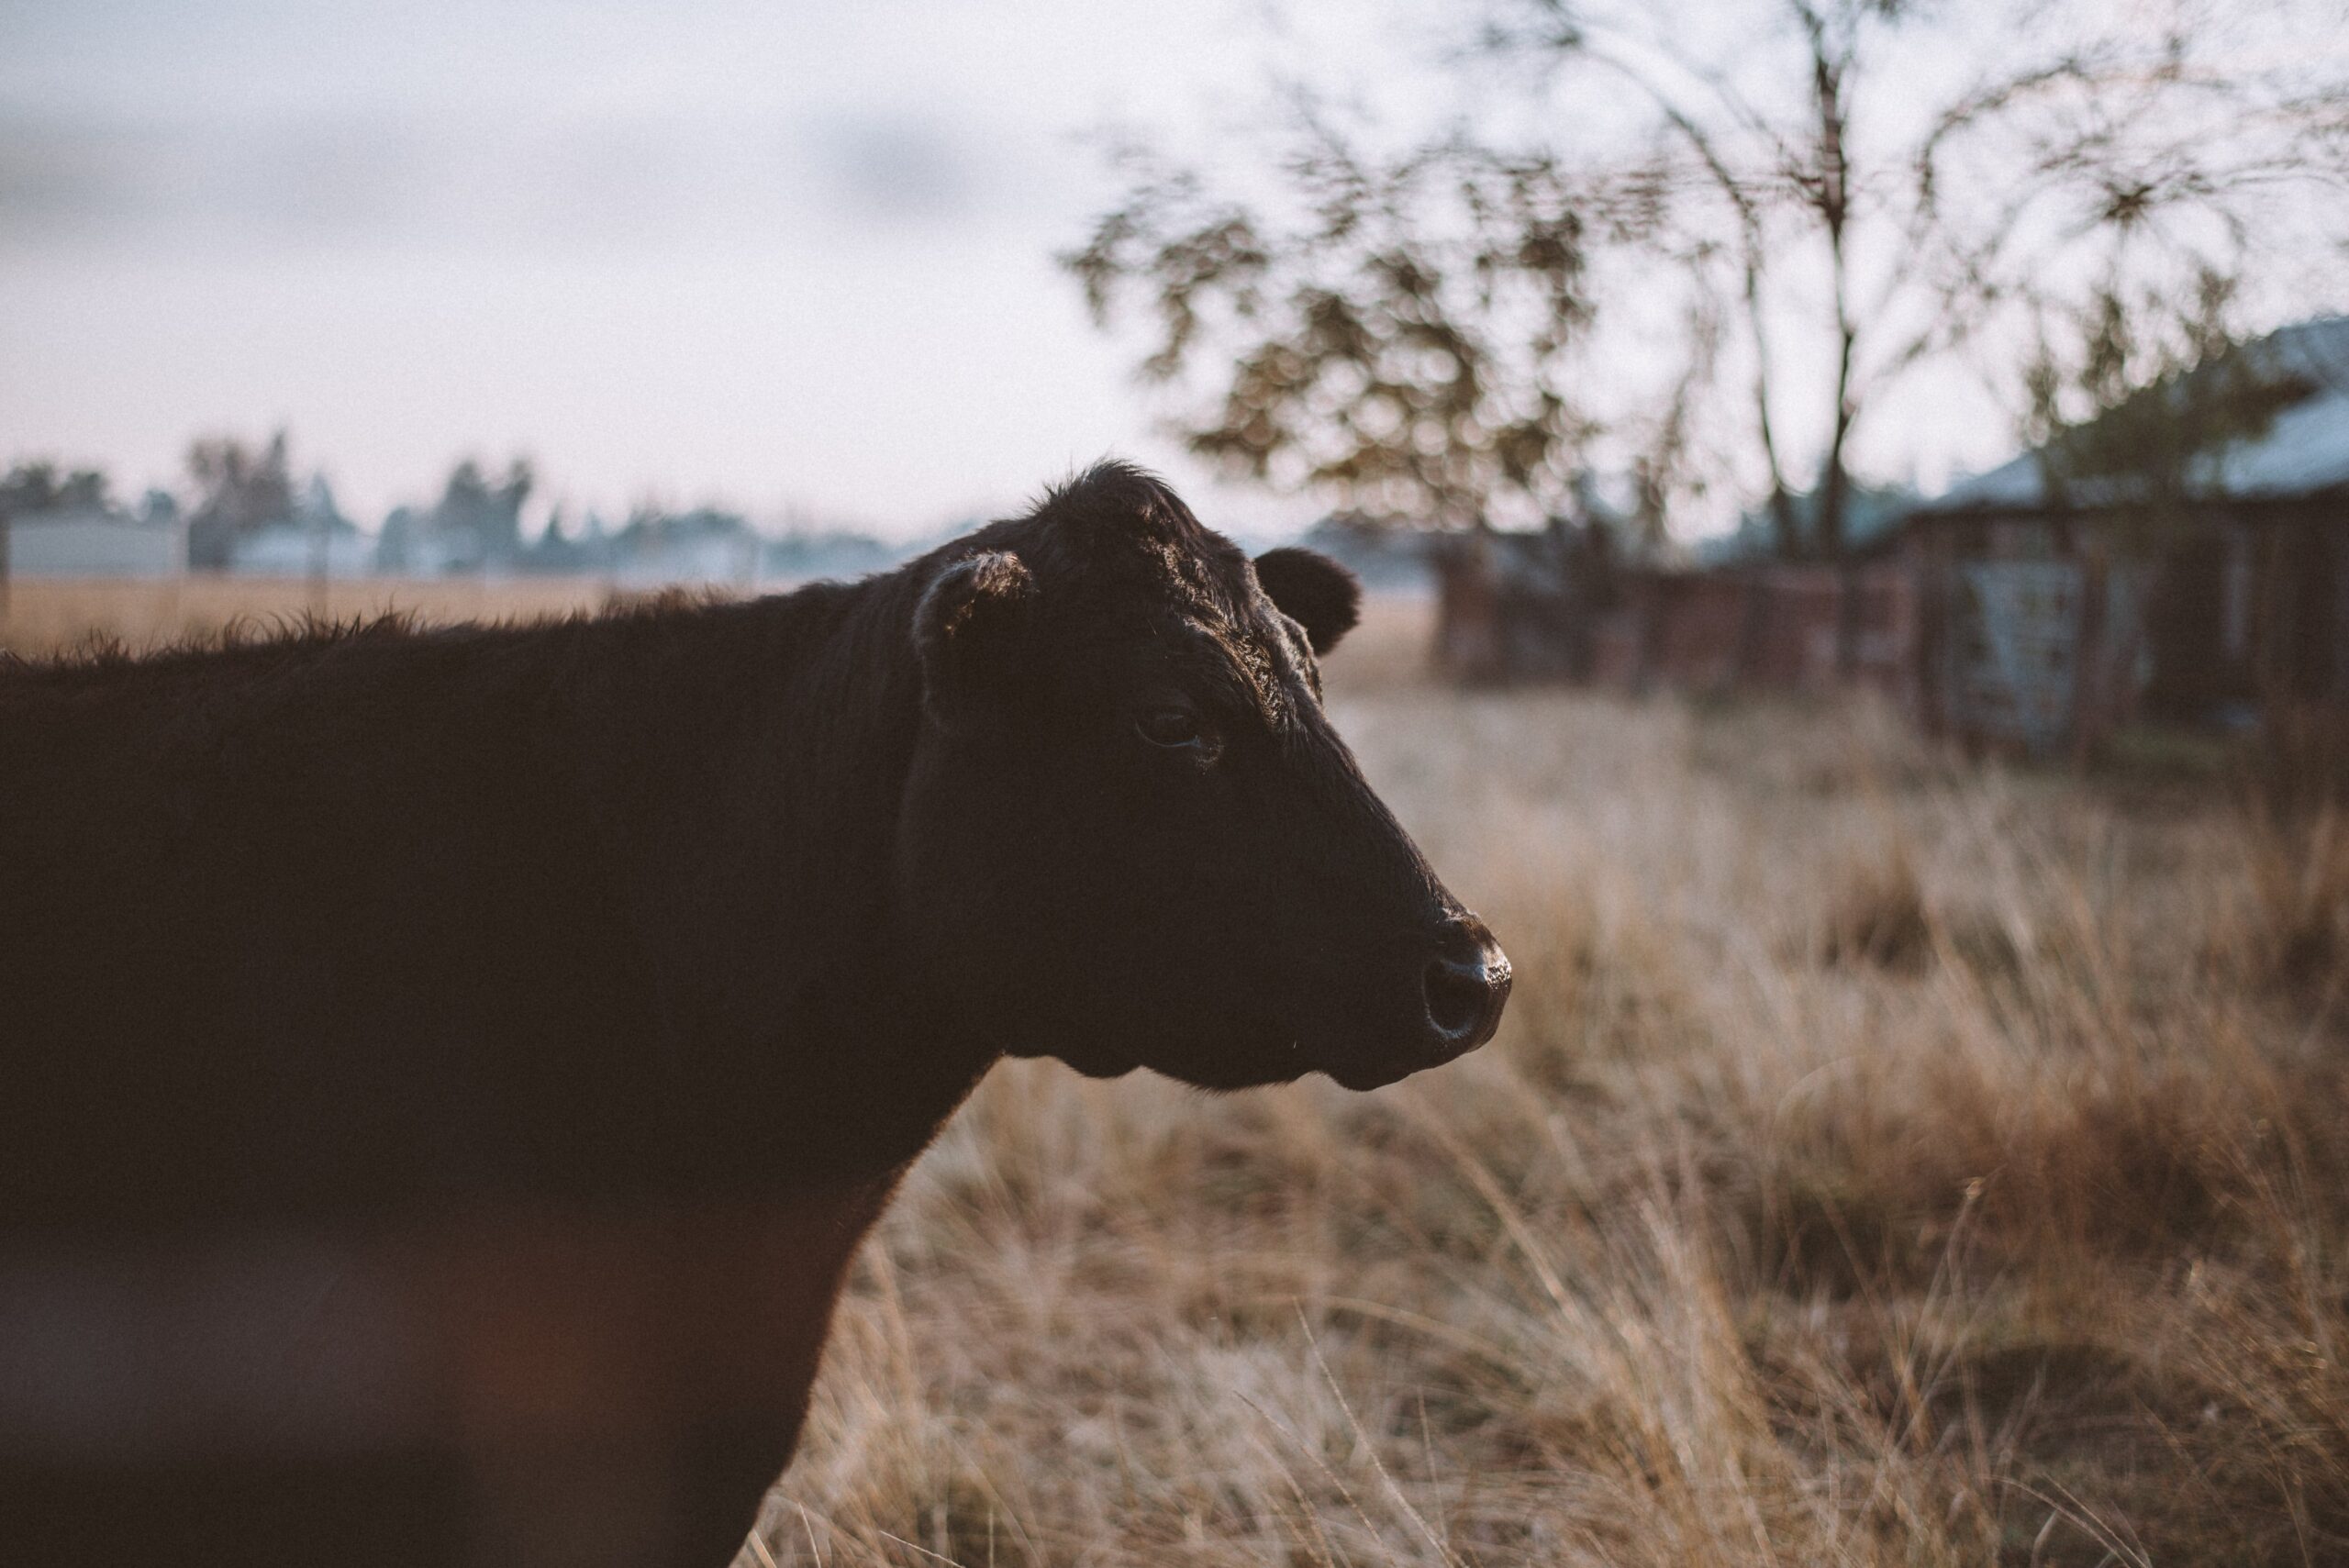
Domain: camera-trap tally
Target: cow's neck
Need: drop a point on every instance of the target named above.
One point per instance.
(811, 1041)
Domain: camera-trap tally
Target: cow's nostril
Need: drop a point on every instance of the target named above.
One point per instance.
(1466, 988)
(1457, 997)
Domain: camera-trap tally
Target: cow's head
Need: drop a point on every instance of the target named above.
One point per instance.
(1132, 839)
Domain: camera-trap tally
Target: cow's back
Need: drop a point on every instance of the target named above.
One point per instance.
(278, 934)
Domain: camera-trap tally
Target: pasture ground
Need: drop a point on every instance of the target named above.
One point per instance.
(1886, 1160)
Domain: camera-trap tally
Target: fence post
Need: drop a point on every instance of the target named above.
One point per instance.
(2091, 699)
(1753, 608)
(321, 542)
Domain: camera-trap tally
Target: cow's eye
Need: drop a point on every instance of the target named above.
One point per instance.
(1170, 726)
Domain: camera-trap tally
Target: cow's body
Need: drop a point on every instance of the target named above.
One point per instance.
(415, 969)
(558, 1005)
(564, 899)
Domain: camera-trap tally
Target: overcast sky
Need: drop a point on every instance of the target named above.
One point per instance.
(778, 255)
(773, 255)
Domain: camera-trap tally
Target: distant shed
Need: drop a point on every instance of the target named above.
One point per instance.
(2007, 612)
(1558, 605)
(94, 541)
(2055, 612)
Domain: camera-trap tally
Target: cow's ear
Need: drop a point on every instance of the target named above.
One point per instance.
(972, 623)
(1313, 591)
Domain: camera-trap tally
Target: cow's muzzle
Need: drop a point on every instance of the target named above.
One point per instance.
(1463, 985)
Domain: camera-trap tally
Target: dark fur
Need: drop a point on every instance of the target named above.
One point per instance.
(365, 933)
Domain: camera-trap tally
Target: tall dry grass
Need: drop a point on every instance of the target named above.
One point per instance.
(1885, 1162)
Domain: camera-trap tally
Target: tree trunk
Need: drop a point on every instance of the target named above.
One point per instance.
(1835, 482)
(1785, 532)
(1834, 491)
(1830, 66)
(1834, 503)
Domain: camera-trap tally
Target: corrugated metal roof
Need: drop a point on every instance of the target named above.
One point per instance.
(2304, 450)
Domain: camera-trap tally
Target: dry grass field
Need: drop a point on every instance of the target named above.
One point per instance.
(44, 614)
(1886, 1160)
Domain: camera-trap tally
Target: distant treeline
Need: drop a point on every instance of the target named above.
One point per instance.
(244, 509)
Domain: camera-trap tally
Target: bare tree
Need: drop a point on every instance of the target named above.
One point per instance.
(484, 516)
(2081, 149)
(240, 490)
(1841, 191)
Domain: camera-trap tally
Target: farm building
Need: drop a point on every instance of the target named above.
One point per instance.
(2198, 590)
(1562, 604)
(96, 540)
(317, 539)
(2033, 607)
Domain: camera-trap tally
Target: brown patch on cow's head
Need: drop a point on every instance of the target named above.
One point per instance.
(1132, 839)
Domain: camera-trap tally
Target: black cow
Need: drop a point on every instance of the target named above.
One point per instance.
(447, 1072)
